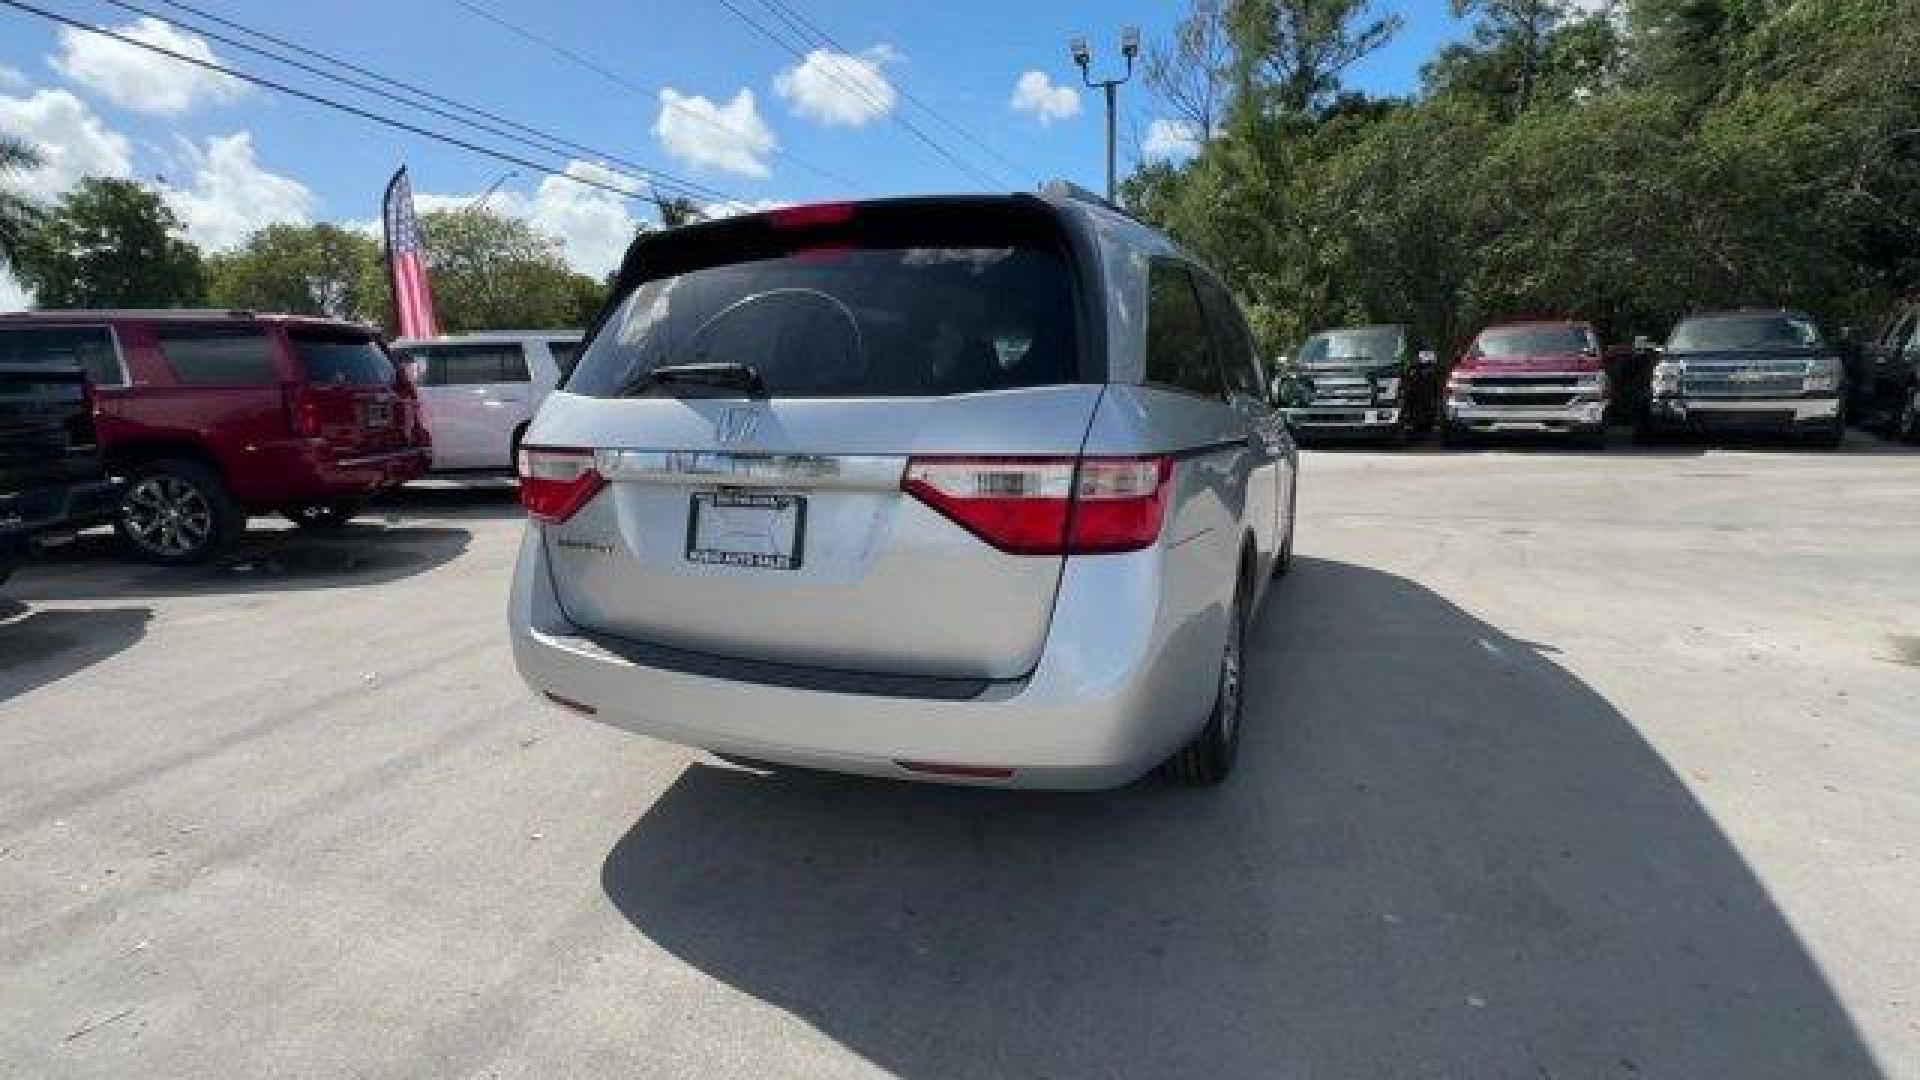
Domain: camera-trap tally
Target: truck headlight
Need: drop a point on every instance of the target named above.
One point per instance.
(1823, 375)
(1386, 389)
(1666, 377)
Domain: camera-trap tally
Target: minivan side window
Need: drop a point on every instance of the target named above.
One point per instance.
(218, 355)
(472, 363)
(1179, 344)
(89, 348)
(1232, 341)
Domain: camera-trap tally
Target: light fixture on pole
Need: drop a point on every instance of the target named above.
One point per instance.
(1083, 59)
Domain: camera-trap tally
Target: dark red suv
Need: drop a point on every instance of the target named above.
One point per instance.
(209, 416)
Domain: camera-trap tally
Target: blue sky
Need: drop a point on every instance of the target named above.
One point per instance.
(232, 158)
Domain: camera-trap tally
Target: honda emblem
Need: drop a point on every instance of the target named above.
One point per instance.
(736, 426)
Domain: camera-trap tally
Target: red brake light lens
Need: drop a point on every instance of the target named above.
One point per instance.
(1050, 505)
(303, 411)
(807, 215)
(556, 482)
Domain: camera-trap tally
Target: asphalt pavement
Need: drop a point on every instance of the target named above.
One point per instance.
(1558, 765)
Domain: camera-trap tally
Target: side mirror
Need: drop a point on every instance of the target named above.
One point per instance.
(1426, 358)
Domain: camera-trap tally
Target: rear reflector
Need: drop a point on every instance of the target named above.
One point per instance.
(556, 482)
(970, 772)
(1050, 505)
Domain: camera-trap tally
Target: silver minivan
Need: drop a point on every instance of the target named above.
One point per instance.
(976, 490)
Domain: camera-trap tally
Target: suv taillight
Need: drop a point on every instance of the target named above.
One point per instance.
(1048, 505)
(555, 482)
(303, 412)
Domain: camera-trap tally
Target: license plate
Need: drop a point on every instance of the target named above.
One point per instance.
(746, 528)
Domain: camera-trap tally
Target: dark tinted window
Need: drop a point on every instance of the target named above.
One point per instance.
(844, 322)
(1760, 331)
(342, 360)
(218, 355)
(1179, 345)
(89, 348)
(1232, 341)
(566, 356)
(1544, 339)
(469, 363)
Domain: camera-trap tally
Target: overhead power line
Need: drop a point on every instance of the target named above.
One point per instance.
(340, 106)
(504, 128)
(620, 80)
(793, 16)
(799, 53)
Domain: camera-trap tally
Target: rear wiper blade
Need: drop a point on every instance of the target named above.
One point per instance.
(742, 377)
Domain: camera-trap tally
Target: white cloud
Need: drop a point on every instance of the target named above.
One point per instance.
(13, 295)
(11, 79)
(731, 137)
(1169, 139)
(134, 78)
(231, 196)
(839, 88)
(72, 140)
(1036, 93)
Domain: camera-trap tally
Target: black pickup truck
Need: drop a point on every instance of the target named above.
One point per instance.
(52, 481)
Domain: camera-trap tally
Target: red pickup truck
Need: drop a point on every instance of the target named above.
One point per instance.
(210, 416)
(1541, 376)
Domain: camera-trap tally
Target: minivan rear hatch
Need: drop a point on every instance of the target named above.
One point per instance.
(752, 402)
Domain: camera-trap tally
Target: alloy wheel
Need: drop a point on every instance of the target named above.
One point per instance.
(167, 515)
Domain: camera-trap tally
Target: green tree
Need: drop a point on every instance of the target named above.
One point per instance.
(302, 270)
(492, 272)
(111, 243)
(18, 214)
(1291, 55)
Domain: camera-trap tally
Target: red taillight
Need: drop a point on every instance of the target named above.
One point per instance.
(1048, 506)
(555, 483)
(807, 215)
(303, 412)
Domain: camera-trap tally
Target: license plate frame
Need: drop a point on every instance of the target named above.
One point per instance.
(785, 517)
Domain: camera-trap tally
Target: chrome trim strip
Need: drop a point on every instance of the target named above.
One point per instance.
(705, 468)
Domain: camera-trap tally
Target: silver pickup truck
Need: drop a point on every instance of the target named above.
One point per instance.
(1746, 371)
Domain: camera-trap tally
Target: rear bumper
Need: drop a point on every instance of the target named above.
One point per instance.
(1777, 413)
(308, 471)
(1115, 691)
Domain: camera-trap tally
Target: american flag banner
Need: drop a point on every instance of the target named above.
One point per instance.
(406, 261)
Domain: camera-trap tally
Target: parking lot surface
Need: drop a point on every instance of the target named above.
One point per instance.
(1558, 765)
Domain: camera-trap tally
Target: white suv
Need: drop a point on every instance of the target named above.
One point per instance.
(479, 391)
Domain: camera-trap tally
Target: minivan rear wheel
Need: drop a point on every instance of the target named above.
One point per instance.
(1210, 757)
(177, 512)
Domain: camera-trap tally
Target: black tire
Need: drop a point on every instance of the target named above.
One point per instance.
(323, 515)
(1907, 428)
(205, 519)
(1209, 758)
(1828, 438)
(6, 571)
(1647, 434)
(1451, 437)
(1594, 441)
(1400, 437)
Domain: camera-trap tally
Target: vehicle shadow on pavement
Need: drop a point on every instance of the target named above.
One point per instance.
(39, 647)
(487, 498)
(1443, 855)
(364, 552)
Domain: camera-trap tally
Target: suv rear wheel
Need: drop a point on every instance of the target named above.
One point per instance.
(1209, 758)
(177, 512)
(1909, 427)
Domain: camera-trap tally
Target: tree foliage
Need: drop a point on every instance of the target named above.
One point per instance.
(493, 272)
(1626, 166)
(18, 214)
(110, 243)
(302, 270)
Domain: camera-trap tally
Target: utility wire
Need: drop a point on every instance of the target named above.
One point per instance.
(321, 99)
(799, 54)
(618, 79)
(536, 138)
(1016, 168)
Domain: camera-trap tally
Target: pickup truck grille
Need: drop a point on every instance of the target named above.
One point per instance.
(1341, 390)
(1745, 383)
(1524, 391)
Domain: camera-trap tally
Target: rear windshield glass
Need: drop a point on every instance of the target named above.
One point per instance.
(1371, 344)
(89, 348)
(849, 322)
(341, 360)
(475, 363)
(1545, 340)
(1744, 332)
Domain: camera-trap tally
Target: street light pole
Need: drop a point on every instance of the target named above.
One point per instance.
(1083, 59)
